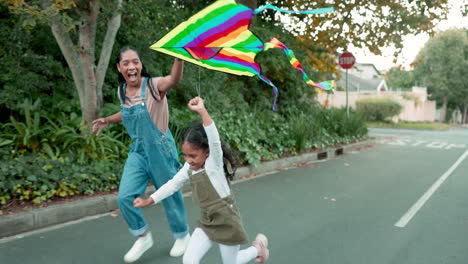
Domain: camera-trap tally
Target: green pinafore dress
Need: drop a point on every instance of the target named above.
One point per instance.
(219, 217)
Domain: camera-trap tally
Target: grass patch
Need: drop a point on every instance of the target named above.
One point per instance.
(410, 125)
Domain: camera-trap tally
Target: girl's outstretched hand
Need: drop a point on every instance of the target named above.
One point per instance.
(196, 104)
(139, 202)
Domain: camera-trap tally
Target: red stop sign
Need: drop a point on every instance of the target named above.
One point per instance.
(346, 60)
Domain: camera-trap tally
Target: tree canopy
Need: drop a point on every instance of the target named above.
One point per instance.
(442, 66)
(398, 78)
(80, 35)
(83, 29)
(363, 24)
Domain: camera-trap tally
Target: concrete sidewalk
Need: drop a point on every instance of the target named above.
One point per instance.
(35, 219)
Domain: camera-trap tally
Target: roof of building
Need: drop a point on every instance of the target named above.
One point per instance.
(363, 77)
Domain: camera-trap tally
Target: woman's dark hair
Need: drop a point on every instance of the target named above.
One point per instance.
(196, 136)
(144, 73)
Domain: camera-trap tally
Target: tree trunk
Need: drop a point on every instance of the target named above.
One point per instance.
(88, 78)
(443, 109)
(86, 44)
(113, 26)
(465, 114)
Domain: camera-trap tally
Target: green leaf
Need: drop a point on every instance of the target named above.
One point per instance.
(32, 178)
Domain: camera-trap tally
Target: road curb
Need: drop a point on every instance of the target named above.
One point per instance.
(35, 219)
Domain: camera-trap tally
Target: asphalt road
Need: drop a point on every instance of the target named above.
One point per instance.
(404, 200)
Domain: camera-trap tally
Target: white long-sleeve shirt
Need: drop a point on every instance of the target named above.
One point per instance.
(213, 166)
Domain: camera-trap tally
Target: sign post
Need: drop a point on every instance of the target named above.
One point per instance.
(346, 61)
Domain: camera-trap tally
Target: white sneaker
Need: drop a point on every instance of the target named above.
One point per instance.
(180, 245)
(261, 243)
(139, 247)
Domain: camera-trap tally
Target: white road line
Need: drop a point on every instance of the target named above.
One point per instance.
(415, 208)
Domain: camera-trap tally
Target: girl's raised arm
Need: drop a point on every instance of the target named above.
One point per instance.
(214, 142)
(196, 105)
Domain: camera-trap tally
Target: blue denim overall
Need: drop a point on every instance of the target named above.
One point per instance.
(152, 156)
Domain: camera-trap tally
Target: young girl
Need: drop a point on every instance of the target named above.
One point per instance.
(153, 155)
(207, 164)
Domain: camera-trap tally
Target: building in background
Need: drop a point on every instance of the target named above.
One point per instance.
(362, 77)
(365, 81)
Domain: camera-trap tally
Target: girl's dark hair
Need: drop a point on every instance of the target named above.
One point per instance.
(144, 73)
(196, 136)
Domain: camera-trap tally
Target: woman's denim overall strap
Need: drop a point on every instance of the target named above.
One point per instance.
(132, 117)
(153, 156)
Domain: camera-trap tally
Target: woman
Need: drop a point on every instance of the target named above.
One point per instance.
(153, 155)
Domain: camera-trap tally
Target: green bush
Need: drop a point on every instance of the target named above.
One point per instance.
(65, 160)
(256, 136)
(301, 131)
(37, 178)
(378, 109)
(36, 132)
(261, 134)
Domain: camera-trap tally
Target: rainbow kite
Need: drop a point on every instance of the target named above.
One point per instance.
(218, 38)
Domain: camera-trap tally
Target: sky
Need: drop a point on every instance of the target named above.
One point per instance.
(412, 43)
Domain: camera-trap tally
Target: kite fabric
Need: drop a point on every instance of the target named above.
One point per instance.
(218, 38)
(324, 86)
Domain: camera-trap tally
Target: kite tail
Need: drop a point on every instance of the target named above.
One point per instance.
(275, 89)
(328, 86)
(306, 12)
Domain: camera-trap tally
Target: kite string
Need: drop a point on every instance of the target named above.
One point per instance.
(197, 85)
(309, 12)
